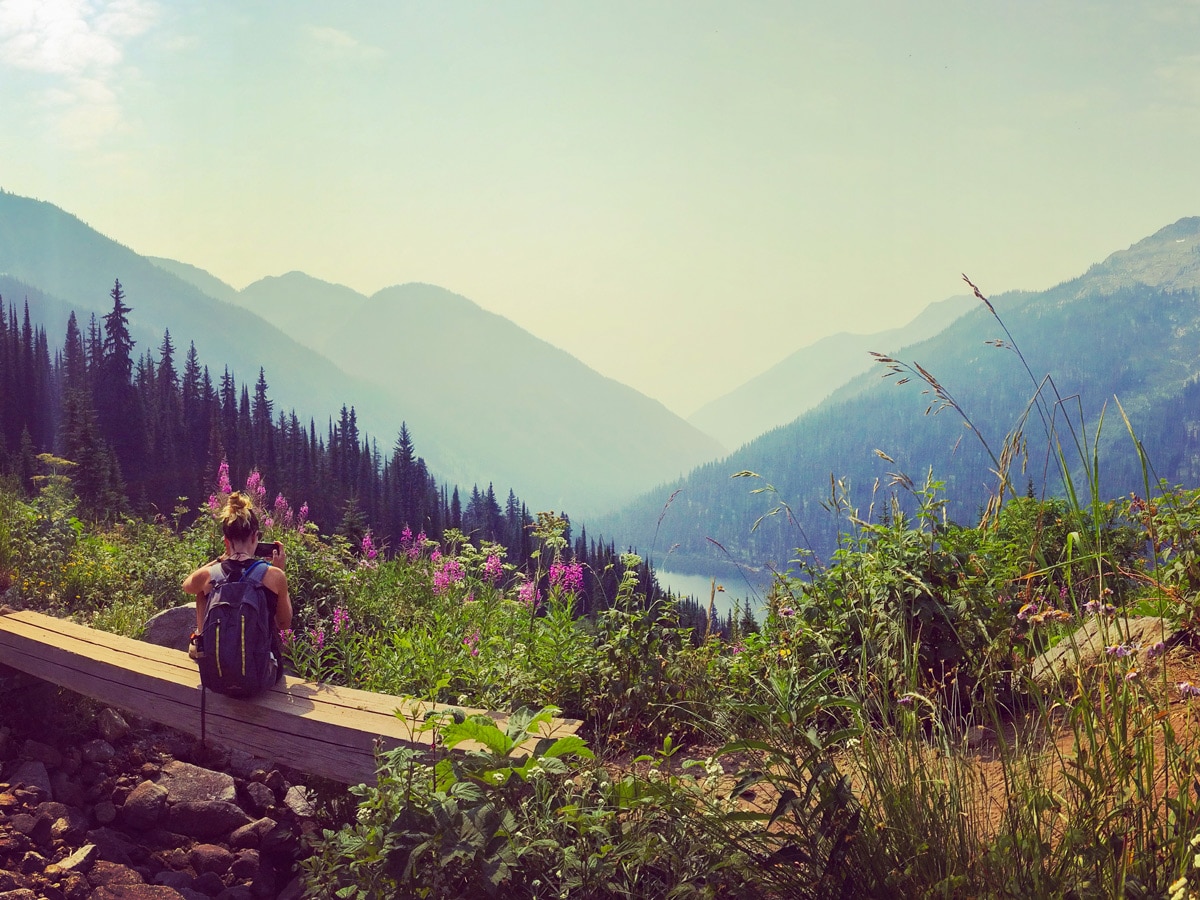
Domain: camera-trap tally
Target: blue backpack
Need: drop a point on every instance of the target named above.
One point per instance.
(236, 638)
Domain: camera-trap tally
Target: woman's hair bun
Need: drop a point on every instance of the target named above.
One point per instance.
(238, 519)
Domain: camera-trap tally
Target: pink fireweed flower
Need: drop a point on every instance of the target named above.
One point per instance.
(282, 512)
(567, 577)
(471, 642)
(318, 637)
(449, 572)
(287, 636)
(341, 619)
(492, 569)
(368, 546)
(223, 485)
(268, 522)
(528, 594)
(406, 538)
(255, 488)
(302, 516)
(214, 504)
(418, 544)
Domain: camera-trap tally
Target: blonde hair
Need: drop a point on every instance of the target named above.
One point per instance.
(239, 522)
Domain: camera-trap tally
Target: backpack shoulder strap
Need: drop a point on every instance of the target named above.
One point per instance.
(255, 571)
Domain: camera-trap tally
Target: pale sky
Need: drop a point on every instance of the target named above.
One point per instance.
(680, 194)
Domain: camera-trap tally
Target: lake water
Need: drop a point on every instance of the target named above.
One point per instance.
(700, 588)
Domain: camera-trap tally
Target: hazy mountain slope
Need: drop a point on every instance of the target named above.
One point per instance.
(197, 277)
(1107, 334)
(306, 308)
(806, 377)
(50, 312)
(53, 251)
(484, 400)
(491, 392)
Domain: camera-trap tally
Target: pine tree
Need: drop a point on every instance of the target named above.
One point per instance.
(264, 439)
(116, 399)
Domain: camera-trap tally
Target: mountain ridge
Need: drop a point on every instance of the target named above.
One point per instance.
(773, 397)
(571, 452)
(1103, 334)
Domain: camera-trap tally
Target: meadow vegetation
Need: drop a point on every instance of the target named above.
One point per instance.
(891, 728)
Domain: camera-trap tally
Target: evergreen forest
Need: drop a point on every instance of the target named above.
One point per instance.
(145, 434)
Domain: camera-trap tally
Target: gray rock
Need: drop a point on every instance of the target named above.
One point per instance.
(205, 818)
(210, 858)
(237, 892)
(106, 873)
(209, 883)
(113, 846)
(296, 799)
(81, 860)
(136, 892)
(293, 890)
(172, 627)
(32, 774)
(144, 807)
(104, 812)
(1086, 649)
(246, 765)
(72, 760)
(98, 751)
(19, 894)
(66, 789)
(111, 725)
(69, 827)
(187, 783)
(252, 835)
(49, 756)
(180, 881)
(23, 822)
(262, 799)
(265, 883)
(246, 865)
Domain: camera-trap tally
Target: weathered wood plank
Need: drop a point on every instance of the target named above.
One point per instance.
(320, 729)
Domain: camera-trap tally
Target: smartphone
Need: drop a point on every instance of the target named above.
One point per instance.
(264, 548)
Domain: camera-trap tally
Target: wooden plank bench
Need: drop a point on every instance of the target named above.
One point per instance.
(316, 728)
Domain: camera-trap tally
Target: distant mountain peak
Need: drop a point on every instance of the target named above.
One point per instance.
(1170, 256)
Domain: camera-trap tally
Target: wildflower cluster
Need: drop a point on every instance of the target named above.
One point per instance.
(1187, 689)
(471, 642)
(1040, 611)
(448, 572)
(529, 595)
(367, 548)
(410, 546)
(492, 569)
(279, 514)
(567, 577)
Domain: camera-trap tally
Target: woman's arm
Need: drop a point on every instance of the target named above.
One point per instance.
(275, 579)
(197, 584)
